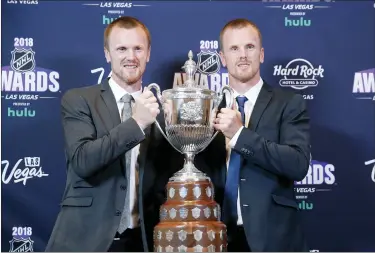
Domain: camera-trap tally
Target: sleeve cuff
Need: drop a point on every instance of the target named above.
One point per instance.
(233, 141)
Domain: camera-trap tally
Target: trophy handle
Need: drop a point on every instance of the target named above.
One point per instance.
(218, 101)
(230, 91)
(161, 101)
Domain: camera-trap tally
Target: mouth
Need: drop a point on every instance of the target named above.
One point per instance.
(130, 66)
(243, 65)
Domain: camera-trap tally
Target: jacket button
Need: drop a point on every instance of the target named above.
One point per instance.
(118, 213)
(123, 187)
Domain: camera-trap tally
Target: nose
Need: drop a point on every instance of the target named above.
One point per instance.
(130, 54)
(243, 53)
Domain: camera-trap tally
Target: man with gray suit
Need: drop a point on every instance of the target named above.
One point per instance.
(116, 157)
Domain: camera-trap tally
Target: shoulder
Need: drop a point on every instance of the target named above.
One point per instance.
(286, 97)
(77, 95)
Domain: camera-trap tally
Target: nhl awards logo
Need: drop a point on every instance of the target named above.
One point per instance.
(21, 241)
(210, 72)
(21, 245)
(208, 62)
(23, 60)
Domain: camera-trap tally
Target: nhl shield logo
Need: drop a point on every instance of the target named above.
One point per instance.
(21, 245)
(23, 60)
(208, 62)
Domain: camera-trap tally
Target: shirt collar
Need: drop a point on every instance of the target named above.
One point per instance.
(119, 92)
(252, 93)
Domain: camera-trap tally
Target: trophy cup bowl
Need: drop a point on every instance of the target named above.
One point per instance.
(190, 217)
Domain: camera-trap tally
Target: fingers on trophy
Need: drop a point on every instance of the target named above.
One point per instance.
(190, 217)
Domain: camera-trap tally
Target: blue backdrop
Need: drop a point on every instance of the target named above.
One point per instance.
(322, 49)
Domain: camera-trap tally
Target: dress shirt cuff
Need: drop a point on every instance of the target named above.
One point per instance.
(233, 141)
(141, 129)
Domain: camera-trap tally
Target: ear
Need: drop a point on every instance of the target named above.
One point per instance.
(107, 55)
(222, 58)
(261, 56)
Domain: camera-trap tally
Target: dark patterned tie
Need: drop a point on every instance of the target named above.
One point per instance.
(126, 216)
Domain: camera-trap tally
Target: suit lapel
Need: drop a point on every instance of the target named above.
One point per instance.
(261, 103)
(110, 102)
(110, 114)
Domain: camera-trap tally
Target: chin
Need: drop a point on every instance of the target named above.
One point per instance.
(244, 78)
(131, 79)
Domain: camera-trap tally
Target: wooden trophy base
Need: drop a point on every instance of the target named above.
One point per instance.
(190, 220)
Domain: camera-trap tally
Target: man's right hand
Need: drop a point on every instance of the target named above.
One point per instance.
(145, 110)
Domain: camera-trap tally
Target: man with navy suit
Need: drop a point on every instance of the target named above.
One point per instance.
(262, 148)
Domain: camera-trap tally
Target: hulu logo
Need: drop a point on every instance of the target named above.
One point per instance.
(108, 20)
(21, 113)
(305, 205)
(297, 22)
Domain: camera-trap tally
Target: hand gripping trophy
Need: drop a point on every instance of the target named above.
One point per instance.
(190, 217)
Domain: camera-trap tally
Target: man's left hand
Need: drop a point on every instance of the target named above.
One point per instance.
(228, 121)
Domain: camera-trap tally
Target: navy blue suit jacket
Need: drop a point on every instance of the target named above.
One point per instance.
(275, 152)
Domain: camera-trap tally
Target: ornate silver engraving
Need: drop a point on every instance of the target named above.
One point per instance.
(183, 212)
(191, 111)
(183, 192)
(182, 248)
(211, 235)
(198, 248)
(221, 248)
(215, 212)
(188, 114)
(207, 212)
(197, 191)
(211, 248)
(171, 192)
(196, 212)
(169, 235)
(182, 235)
(160, 234)
(197, 235)
(169, 248)
(221, 234)
(172, 213)
(208, 192)
(159, 249)
(163, 214)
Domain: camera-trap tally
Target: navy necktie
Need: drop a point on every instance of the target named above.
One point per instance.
(231, 187)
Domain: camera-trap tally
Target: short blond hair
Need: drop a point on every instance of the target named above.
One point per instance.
(237, 24)
(127, 23)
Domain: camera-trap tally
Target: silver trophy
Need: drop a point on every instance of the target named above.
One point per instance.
(189, 113)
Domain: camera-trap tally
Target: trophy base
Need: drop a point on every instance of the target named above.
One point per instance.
(190, 237)
(190, 219)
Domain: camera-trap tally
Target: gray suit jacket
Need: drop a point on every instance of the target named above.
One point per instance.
(95, 142)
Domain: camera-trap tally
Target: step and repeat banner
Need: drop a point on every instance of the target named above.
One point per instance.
(321, 49)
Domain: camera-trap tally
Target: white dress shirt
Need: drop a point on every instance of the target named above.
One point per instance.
(252, 95)
(119, 92)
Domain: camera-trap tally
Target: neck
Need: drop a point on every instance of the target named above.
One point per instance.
(243, 87)
(130, 88)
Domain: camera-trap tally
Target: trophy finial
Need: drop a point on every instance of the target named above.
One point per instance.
(190, 55)
(190, 68)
